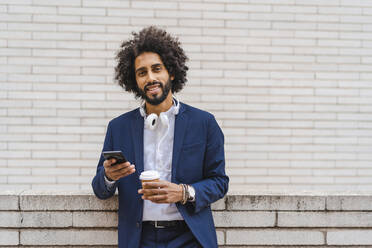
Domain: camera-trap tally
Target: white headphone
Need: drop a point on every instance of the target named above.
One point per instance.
(151, 121)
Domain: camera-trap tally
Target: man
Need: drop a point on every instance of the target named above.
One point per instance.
(184, 144)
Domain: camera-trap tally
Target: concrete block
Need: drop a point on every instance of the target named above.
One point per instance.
(275, 202)
(274, 237)
(10, 219)
(68, 237)
(324, 219)
(59, 200)
(349, 202)
(95, 219)
(46, 219)
(349, 237)
(8, 237)
(9, 200)
(219, 205)
(244, 219)
(220, 237)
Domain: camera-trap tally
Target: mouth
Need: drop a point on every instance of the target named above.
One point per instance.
(153, 89)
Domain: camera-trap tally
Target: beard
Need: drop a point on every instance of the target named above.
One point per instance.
(156, 100)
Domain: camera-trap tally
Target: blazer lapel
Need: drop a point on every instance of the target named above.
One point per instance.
(137, 138)
(179, 134)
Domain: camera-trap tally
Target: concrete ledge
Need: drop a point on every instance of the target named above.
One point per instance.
(243, 219)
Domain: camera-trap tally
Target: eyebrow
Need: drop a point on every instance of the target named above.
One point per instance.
(152, 66)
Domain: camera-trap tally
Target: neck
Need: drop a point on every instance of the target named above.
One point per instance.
(162, 107)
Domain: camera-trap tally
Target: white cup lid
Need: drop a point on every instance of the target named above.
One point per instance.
(149, 175)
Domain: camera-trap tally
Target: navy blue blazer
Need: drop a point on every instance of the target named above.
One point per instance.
(198, 159)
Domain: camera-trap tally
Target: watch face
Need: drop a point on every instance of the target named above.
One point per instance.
(191, 193)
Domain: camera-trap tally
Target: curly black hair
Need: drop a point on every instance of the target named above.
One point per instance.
(156, 40)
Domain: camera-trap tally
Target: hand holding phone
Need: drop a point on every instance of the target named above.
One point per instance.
(120, 168)
(117, 155)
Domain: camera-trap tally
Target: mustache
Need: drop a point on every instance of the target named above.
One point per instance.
(151, 84)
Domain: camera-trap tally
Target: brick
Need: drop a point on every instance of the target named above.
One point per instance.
(244, 219)
(220, 237)
(201, 23)
(31, 27)
(95, 219)
(331, 219)
(349, 237)
(55, 171)
(55, 154)
(9, 237)
(31, 179)
(56, 2)
(15, 17)
(15, 154)
(56, 19)
(107, 3)
(31, 146)
(272, 16)
(30, 61)
(349, 202)
(248, 8)
(174, 14)
(81, 28)
(68, 237)
(81, 11)
(33, 200)
(56, 36)
(31, 9)
(32, 78)
(275, 202)
(46, 219)
(56, 53)
(10, 219)
(219, 205)
(105, 20)
(277, 237)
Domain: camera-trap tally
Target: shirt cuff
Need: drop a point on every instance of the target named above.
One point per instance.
(109, 184)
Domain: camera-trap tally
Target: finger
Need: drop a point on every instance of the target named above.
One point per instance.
(161, 184)
(156, 198)
(127, 170)
(123, 173)
(153, 191)
(106, 163)
(118, 167)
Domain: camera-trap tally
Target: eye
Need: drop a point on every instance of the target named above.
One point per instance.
(141, 73)
(157, 69)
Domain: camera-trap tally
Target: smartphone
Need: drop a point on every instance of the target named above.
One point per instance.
(118, 155)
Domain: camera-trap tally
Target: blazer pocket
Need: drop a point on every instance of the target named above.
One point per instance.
(190, 167)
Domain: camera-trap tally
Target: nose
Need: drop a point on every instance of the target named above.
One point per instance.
(151, 76)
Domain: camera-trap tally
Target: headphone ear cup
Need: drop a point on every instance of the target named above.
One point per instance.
(176, 106)
(151, 121)
(164, 119)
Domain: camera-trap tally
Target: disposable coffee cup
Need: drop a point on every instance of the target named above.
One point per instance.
(149, 176)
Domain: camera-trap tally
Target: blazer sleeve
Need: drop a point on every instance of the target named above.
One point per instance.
(98, 183)
(215, 183)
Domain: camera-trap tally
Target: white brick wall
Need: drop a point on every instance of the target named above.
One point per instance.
(289, 82)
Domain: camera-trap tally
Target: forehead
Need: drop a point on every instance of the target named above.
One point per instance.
(147, 59)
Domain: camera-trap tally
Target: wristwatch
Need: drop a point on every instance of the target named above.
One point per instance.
(190, 193)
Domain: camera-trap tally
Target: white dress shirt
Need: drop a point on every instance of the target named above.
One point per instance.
(157, 155)
(158, 151)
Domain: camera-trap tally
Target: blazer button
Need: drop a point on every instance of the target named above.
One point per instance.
(138, 224)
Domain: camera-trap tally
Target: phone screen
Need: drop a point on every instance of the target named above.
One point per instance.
(118, 155)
